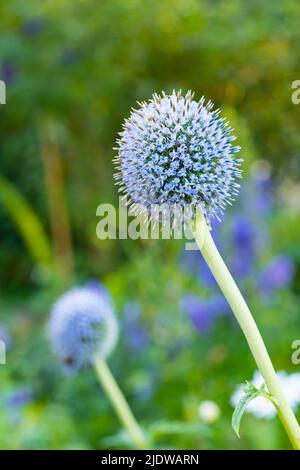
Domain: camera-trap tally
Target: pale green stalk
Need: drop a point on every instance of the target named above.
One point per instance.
(120, 404)
(248, 325)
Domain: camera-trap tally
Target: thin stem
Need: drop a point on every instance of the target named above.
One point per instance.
(120, 404)
(248, 325)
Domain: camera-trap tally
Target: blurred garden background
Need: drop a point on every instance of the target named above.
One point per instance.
(73, 69)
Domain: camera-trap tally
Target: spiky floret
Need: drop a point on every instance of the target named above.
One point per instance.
(177, 151)
(82, 326)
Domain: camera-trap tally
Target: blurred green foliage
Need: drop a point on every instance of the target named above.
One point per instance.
(85, 63)
(80, 65)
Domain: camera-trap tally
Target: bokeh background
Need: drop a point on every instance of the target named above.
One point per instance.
(73, 69)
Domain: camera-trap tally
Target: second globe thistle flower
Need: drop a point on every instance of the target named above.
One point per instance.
(83, 330)
(82, 327)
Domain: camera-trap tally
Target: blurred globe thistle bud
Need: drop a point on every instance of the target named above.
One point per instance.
(177, 151)
(82, 326)
(209, 411)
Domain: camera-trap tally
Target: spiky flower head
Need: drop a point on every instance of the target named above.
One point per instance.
(82, 326)
(177, 151)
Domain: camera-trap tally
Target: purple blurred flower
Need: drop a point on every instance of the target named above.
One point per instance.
(16, 401)
(243, 232)
(203, 312)
(135, 335)
(97, 287)
(258, 190)
(205, 275)
(218, 305)
(241, 264)
(8, 72)
(263, 191)
(244, 238)
(193, 263)
(198, 312)
(276, 274)
(33, 27)
(189, 261)
(20, 398)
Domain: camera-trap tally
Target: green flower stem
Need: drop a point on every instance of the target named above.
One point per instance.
(120, 404)
(248, 325)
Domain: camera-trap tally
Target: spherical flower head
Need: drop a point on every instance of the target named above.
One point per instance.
(82, 326)
(178, 151)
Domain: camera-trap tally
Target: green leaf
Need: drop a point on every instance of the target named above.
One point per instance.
(251, 393)
(27, 222)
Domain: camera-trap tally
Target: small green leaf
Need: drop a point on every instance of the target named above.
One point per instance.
(251, 393)
(27, 221)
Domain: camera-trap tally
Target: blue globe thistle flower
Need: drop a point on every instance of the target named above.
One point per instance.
(178, 151)
(82, 326)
